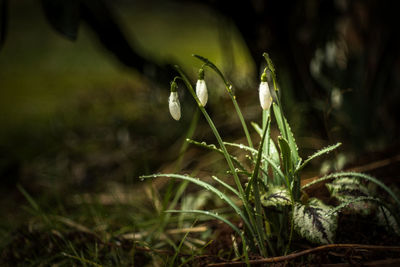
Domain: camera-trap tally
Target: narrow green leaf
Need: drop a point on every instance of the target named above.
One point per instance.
(317, 154)
(227, 186)
(214, 148)
(286, 132)
(270, 64)
(276, 196)
(285, 155)
(314, 222)
(252, 150)
(254, 175)
(178, 250)
(257, 128)
(208, 213)
(273, 152)
(34, 205)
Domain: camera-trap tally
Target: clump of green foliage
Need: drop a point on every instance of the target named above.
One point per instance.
(273, 205)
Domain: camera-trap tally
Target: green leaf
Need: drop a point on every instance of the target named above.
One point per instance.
(208, 213)
(276, 196)
(273, 152)
(359, 175)
(257, 128)
(347, 189)
(317, 154)
(230, 188)
(252, 150)
(352, 201)
(270, 64)
(315, 222)
(285, 155)
(254, 176)
(214, 148)
(286, 132)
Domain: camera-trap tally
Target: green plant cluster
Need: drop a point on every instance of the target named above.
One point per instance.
(274, 208)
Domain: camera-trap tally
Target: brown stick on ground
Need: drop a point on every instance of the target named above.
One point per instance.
(305, 252)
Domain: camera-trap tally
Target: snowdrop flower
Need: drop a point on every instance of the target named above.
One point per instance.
(264, 93)
(173, 101)
(201, 89)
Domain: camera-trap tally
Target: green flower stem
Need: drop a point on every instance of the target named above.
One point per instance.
(266, 146)
(240, 115)
(256, 191)
(226, 154)
(228, 87)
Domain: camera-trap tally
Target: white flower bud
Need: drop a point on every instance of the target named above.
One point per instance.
(265, 95)
(201, 92)
(174, 106)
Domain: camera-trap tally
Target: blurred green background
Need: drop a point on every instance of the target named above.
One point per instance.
(55, 92)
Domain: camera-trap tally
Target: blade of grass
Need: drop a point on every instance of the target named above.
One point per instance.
(172, 262)
(34, 205)
(230, 188)
(216, 216)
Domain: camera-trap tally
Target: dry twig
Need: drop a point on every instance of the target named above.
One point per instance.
(305, 252)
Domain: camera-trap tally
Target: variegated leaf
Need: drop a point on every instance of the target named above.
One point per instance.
(314, 222)
(276, 196)
(386, 218)
(346, 189)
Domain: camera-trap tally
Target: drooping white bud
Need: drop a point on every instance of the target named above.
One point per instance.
(174, 106)
(201, 89)
(201, 92)
(264, 93)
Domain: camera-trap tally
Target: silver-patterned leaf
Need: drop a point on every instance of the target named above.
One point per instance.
(346, 189)
(315, 222)
(276, 196)
(386, 218)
